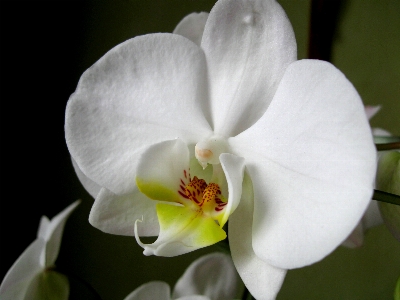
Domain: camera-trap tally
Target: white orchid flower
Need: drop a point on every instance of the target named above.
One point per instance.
(286, 146)
(31, 277)
(212, 276)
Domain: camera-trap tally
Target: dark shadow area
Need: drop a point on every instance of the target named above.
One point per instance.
(40, 67)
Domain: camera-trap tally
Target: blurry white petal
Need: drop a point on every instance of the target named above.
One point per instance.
(53, 235)
(380, 132)
(371, 111)
(212, 275)
(43, 225)
(20, 275)
(356, 237)
(156, 290)
(372, 216)
(194, 297)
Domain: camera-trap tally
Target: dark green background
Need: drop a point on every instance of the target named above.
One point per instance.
(47, 45)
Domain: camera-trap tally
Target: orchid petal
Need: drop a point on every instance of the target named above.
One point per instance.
(182, 230)
(192, 27)
(116, 214)
(90, 186)
(246, 65)
(143, 91)
(371, 111)
(212, 275)
(261, 279)
(152, 290)
(48, 285)
(43, 225)
(356, 238)
(163, 171)
(312, 162)
(379, 132)
(233, 167)
(382, 136)
(53, 234)
(193, 297)
(372, 216)
(18, 278)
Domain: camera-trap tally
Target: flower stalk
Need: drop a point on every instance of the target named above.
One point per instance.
(323, 23)
(386, 197)
(388, 146)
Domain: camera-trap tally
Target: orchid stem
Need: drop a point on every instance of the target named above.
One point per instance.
(386, 197)
(323, 24)
(388, 146)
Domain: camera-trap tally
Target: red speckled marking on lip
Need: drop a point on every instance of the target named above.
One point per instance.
(195, 189)
(200, 192)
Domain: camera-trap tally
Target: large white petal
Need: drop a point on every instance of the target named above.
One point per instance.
(261, 279)
(145, 90)
(53, 235)
(22, 272)
(90, 186)
(192, 27)
(312, 162)
(116, 214)
(248, 45)
(212, 275)
(152, 290)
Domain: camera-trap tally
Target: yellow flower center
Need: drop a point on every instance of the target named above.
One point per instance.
(207, 196)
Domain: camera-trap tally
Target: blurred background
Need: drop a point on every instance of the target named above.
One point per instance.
(47, 45)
